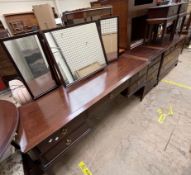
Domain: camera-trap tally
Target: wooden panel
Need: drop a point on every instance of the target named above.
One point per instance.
(6, 67)
(20, 23)
(45, 16)
(120, 8)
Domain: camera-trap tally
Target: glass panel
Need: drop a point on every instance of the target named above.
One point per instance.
(77, 51)
(28, 56)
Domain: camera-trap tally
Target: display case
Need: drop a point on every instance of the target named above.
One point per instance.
(32, 63)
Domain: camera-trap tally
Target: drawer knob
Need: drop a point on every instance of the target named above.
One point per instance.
(50, 140)
(68, 142)
(56, 139)
(64, 131)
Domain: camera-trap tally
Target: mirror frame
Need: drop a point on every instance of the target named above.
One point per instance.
(54, 60)
(118, 36)
(47, 56)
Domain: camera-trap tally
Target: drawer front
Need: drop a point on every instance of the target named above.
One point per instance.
(172, 11)
(169, 50)
(152, 76)
(138, 75)
(137, 85)
(149, 86)
(156, 60)
(64, 144)
(171, 64)
(166, 71)
(119, 89)
(154, 68)
(183, 8)
(64, 132)
(173, 55)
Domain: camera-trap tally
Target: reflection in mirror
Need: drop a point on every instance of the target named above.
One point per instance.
(30, 60)
(77, 50)
(109, 32)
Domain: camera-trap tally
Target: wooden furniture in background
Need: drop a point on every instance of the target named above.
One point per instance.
(1, 26)
(7, 70)
(127, 12)
(165, 16)
(20, 23)
(86, 15)
(9, 118)
(45, 16)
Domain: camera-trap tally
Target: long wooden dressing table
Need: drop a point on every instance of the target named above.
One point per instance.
(50, 125)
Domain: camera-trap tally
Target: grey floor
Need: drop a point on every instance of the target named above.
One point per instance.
(129, 140)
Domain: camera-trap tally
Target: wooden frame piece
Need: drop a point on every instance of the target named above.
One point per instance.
(59, 74)
(50, 66)
(110, 56)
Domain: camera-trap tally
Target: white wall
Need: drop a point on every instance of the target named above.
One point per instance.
(17, 6)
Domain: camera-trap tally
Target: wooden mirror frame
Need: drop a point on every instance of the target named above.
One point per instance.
(47, 57)
(99, 26)
(59, 75)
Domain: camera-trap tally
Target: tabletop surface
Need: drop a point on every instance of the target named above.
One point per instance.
(8, 124)
(41, 118)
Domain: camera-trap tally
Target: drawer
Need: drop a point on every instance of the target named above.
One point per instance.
(138, 75)
(137, 85)
(183, 8)
(168, 66)
(173, 10)
(65, 131)
(153, 75)
(156, 60)
(171, 56)
(119, 89)
(169, 50)
(64, 144)
(150, 85)
(154, 68)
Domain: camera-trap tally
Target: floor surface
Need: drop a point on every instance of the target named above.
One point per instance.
(128, 139)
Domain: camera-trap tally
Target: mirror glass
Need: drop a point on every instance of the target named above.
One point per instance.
(30, 60)
(109, 32)
(77, 50)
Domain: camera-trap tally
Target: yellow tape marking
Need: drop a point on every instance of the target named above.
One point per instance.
(177, 84)
(170, 111)
(84, 168)
(162, 116)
